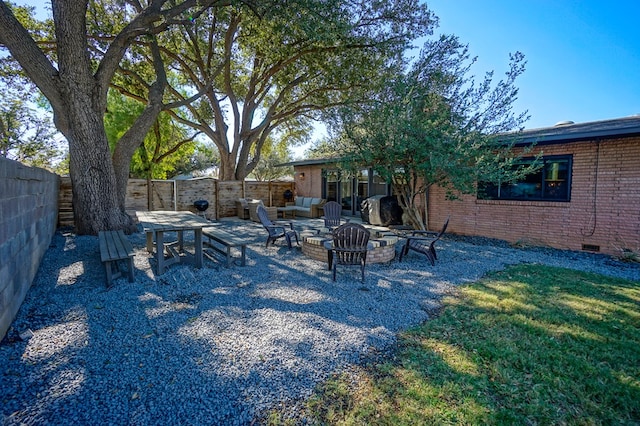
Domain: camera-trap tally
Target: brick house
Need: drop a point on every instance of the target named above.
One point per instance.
(585, 197)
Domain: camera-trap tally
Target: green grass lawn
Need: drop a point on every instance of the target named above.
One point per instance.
(529, 345)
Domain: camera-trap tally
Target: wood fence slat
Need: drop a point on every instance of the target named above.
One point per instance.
(221, 195)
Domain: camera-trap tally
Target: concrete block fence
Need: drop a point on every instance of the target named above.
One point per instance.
(34, 202)
(28, 218)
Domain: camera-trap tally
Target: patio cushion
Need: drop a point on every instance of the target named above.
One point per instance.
(316, 200)
(299, 201)
(306, 202)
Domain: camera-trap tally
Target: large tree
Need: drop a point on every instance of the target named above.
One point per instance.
(433, 124)
(277, 70)
(75, 78)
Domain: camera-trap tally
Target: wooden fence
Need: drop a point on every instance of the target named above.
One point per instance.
(180, 195)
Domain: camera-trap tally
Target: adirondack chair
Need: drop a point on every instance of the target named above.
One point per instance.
(332, 215)
(276, 229)
(349, 247)
(424, 242)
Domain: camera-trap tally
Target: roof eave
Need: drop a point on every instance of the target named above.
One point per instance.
(310, 162)
(576, 137)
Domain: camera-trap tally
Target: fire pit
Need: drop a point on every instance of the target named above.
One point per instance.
(384, 244)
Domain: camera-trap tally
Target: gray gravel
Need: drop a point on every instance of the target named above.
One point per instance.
(220, 345)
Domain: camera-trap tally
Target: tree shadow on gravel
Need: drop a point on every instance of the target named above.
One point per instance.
(211, 345)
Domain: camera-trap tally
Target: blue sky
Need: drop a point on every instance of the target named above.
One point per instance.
(583, 57)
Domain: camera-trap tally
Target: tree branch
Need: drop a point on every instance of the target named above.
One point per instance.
(26, 51)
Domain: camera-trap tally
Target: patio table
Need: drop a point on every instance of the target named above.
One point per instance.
(156, 223)
(287, 209)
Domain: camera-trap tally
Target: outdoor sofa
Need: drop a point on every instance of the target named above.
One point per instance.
(305, 207)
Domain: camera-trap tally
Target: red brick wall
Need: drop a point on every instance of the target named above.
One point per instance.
(604, 209)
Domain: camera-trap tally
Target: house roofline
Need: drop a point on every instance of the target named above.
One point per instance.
(563, 132)
(310, 162)
(573, 132)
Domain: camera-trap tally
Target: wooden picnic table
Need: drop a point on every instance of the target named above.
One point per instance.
(156, 223)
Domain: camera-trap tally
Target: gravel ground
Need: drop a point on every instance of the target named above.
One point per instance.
(220, 345)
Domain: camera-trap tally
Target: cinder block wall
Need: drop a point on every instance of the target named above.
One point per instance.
(28, 217)
(604, 210)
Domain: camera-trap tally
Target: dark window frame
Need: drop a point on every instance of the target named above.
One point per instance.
(552, 182)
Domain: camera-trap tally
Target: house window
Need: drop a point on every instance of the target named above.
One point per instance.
(378, 185)
(551, 182)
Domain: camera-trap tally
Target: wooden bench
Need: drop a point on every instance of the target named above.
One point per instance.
(226, 239)
(114, 247)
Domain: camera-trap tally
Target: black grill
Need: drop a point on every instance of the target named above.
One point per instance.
(201, 205)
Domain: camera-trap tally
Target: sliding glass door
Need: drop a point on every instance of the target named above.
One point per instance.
(330, 188)
(350, 190)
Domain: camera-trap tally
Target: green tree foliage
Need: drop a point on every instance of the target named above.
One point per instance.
(26, 131)
(434, 124)
(203, 162)
(273, 65)
(273, 154)
(327, 147)
(166, 148)
(26, 134)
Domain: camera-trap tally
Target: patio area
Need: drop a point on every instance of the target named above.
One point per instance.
(220, 345)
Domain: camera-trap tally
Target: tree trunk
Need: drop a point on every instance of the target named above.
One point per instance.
(406, 199)
(78, 98)
(96, 205)
(228, 168)
(414, 216)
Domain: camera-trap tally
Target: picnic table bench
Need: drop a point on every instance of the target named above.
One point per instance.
(114, 247)
(227, 240)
